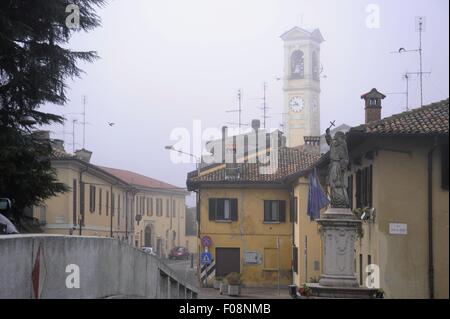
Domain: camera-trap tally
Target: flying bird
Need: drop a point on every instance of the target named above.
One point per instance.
(111, 124)
(401, 50)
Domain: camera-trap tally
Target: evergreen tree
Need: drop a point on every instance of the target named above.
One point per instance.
(35, 63)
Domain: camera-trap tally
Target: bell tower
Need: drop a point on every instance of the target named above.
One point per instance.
(301, 84)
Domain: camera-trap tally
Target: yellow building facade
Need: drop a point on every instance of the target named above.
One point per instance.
(114, 203)
(98, 204)
(400, 179)
(248, 218)
(263, 247)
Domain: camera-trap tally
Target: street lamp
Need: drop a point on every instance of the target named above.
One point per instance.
(197, 159)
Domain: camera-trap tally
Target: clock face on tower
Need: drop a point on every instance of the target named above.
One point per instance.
(296, 104)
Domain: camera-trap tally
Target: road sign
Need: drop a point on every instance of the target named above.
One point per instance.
(205, 258)
(206, 241)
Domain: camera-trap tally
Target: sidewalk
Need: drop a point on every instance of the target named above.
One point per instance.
(246, 293)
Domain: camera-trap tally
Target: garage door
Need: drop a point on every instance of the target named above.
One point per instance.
(228, 260)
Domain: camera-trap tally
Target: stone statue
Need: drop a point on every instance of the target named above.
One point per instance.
(337, 171)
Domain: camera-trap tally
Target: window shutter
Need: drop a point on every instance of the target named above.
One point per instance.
(358, 189)
(267, 210)
(282, 207)
(212, 209)
(234, 209)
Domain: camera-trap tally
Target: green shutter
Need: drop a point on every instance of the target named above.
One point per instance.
(267, 210)
(234, 209)
(282, 207)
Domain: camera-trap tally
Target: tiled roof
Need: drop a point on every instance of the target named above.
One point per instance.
(290, 161)
(138, 180)
(125, 176)
(430, 119)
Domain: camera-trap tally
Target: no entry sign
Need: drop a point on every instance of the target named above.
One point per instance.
(206, 241)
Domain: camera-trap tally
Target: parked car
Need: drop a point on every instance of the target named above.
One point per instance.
(148, 250)
(179, 253)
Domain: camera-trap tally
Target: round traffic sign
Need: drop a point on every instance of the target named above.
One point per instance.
(206, 241)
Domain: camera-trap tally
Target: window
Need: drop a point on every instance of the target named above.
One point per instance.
(113, 204)
(91, 198)
(100, 191)
(148, 206)
(174, 208)
(274, 211)
(444, 165)
(107, 203)
(167, 207)
(151, 206)
(142, 205)
(364, 187)
(158, 207)
(74, 203)
(223, 209)
(372, 102)
(118, 210)
(297, 65)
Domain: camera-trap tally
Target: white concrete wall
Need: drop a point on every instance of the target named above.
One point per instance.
(108, 268)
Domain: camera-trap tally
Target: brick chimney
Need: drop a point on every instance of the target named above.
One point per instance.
(312, 144)
(373, 105)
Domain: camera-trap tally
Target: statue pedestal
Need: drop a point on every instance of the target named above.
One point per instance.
(339, 229)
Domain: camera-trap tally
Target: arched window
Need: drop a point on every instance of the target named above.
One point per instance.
(315, 66)
(297, 64)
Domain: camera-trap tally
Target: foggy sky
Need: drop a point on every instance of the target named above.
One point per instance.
(165, 63)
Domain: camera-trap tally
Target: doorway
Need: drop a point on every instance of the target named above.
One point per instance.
(228, 260)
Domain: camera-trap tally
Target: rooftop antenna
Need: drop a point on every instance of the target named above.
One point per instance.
(74, 121)
(407, 77)
(239, 110)
(420, 27)
(264, 108)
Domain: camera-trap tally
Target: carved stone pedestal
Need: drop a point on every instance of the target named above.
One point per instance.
(339, 229)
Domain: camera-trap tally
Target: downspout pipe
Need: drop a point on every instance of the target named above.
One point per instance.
(430, 219)
(292, 216)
